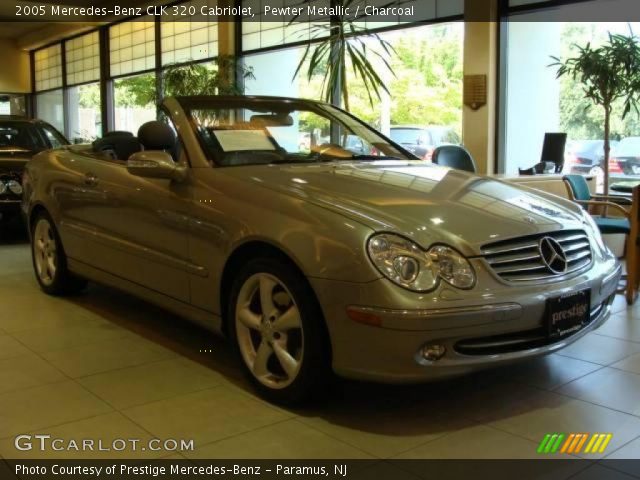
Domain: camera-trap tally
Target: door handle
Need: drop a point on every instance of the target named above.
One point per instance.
(90, 179)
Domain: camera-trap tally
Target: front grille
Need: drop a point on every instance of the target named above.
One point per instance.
(519, 260)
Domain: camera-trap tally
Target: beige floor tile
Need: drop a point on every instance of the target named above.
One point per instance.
(548, 372)
(286, 440)
(106, 356)
(204, 416)
(10, 347)
(600, 349)
(625, 326)
(629, 364)
(151, 382)
(33, 309)
(609, 387)
(27, 371)
(619, 304)
(536, 415)
(34, 408)
(474, 442)
(630, 451)
(385, 434)
(56, 338)
(107, 433)
(478, 401)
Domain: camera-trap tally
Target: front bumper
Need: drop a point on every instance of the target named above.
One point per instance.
(9, 206)
(486, 327)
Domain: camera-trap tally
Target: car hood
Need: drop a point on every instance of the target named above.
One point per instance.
(427, 203)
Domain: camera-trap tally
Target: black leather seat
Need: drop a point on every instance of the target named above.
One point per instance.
(454, 156)
(119, 145)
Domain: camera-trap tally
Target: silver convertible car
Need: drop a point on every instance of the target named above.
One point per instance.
(317, 245)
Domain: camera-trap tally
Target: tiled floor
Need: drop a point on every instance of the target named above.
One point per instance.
(104, 365)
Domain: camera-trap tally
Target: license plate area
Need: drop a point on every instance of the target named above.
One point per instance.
(568, 314)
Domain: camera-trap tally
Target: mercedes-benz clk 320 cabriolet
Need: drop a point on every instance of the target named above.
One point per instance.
(317, 245)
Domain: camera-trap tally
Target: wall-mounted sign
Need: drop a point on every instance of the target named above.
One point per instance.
(475, 91)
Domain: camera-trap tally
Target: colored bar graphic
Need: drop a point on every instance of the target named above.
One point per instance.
(543, 443)
(567, 443)
(556, 445)
(574, 443)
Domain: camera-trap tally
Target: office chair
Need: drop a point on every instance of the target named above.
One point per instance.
(454, 156)
(552, 158)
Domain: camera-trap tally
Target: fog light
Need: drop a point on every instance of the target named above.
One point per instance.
(433, 352)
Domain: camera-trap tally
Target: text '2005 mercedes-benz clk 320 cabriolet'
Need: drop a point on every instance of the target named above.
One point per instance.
(317, 245)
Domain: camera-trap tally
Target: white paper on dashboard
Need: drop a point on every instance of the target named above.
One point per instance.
(239, 140)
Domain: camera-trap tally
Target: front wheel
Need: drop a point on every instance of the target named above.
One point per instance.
(50, 261)
(278, 330)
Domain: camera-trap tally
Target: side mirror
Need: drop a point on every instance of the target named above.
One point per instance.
(155, 164)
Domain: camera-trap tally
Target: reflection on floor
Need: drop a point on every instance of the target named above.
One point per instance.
(104, 365)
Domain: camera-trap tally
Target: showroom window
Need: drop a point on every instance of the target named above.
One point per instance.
(48, 68)
(134, 101)
(131, 50)
(13, 104)
(85, 120)
(426, 90)
(536, 102)
(188, 40)
(132, 46)
(51, 108)
(262, 32)
(82, 56)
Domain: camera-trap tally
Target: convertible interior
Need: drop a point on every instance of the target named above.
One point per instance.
(154, 135)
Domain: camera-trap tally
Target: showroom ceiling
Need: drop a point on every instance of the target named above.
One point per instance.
(29, 35)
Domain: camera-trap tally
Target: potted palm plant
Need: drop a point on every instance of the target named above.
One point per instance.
(609, 74)
(341, 44)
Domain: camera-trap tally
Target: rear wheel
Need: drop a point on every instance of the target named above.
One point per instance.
(50, 261)
(278, 330)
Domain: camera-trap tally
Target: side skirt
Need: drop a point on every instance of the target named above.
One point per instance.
(206, 319)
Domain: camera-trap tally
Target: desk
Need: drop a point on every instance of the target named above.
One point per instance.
(624, 187)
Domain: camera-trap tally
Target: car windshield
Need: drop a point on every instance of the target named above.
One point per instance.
(20, 138)
(250, 131)
(408, 136)
(445, 136)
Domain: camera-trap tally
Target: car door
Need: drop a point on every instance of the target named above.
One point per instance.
(134, 228)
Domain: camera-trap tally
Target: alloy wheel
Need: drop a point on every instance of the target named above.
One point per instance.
(45, 252)
(269, 330)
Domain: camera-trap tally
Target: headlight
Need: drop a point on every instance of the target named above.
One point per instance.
(14, 187)
(3, 188)
(406, 264)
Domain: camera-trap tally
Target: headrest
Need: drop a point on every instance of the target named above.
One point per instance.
(117, 133)
(122, 146)
(156, 135)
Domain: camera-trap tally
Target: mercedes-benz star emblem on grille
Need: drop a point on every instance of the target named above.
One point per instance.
(553, 255)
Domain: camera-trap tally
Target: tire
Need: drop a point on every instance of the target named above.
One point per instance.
(286, 352)
(50, 261)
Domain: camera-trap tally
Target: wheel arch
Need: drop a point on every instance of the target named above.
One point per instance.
(36, 209)
(241, 255)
